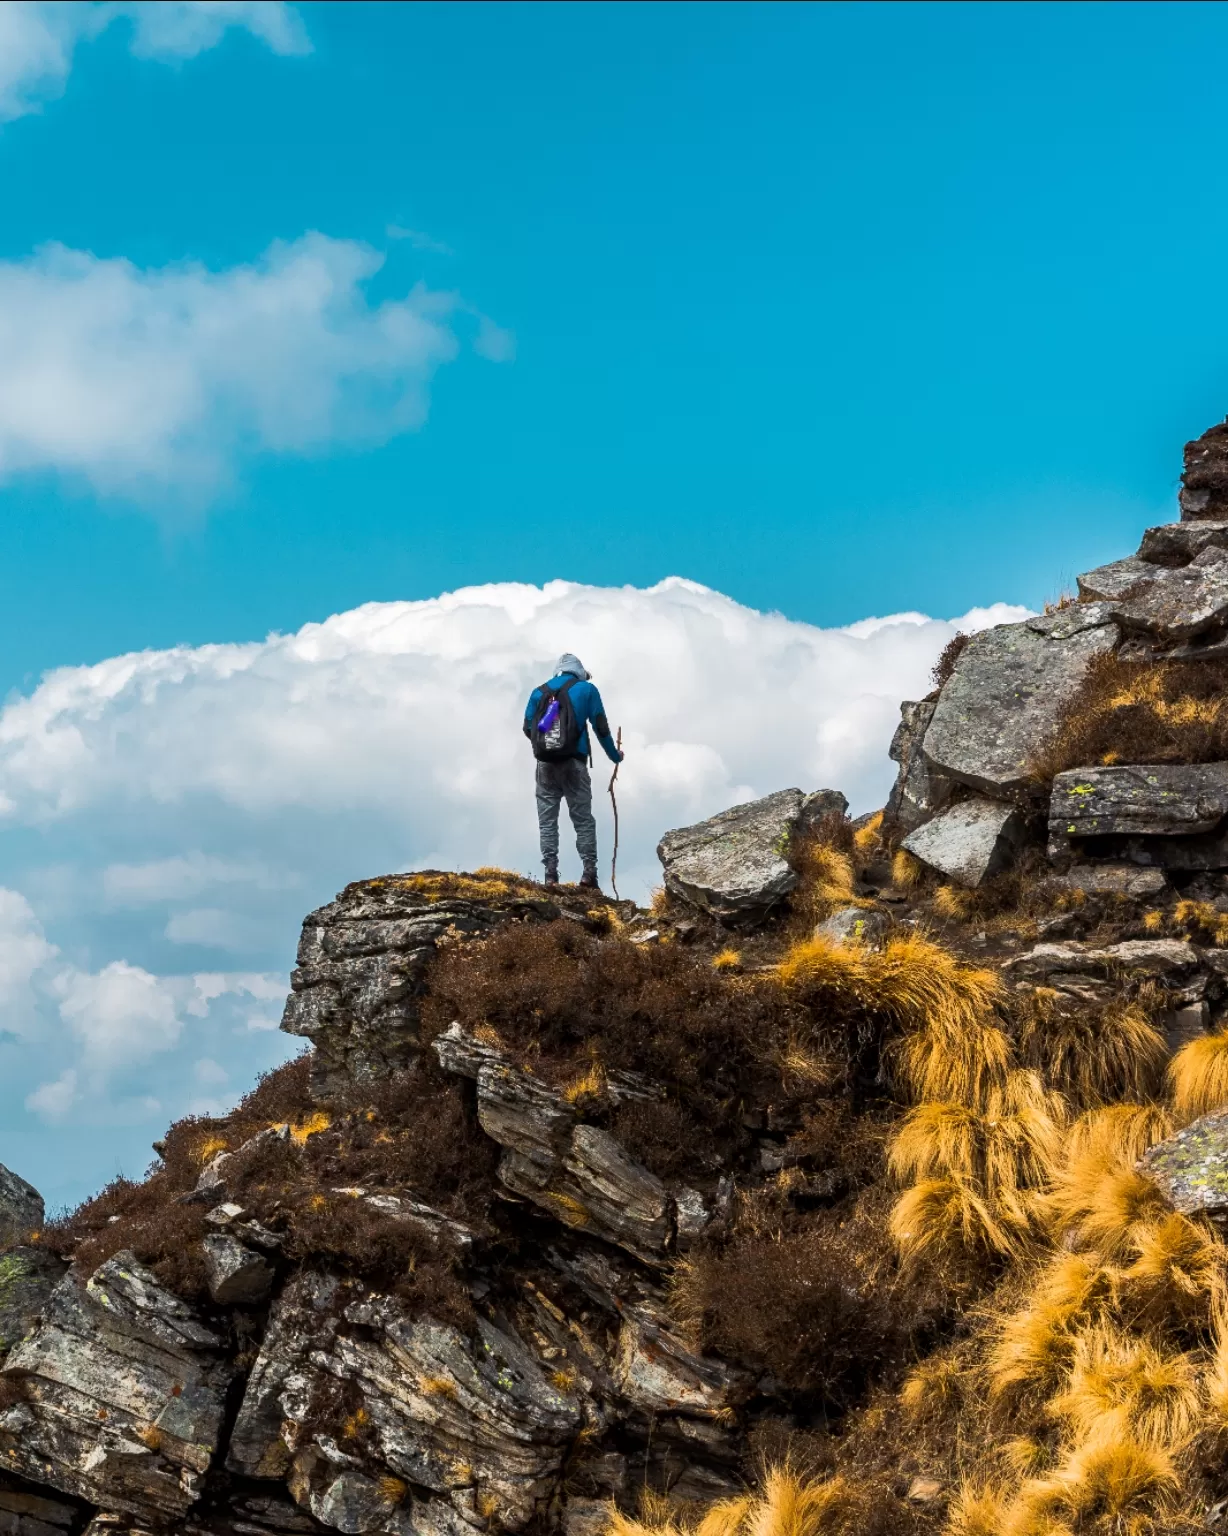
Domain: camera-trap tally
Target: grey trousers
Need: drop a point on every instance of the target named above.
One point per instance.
(566, 781)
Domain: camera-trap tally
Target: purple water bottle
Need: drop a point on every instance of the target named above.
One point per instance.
(551, 715)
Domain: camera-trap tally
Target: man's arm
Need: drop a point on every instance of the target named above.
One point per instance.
(601, 728)
(529, 711)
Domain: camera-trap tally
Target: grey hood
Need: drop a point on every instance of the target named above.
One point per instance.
(569, 663)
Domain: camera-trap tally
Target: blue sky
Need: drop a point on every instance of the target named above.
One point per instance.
(310, 317)
(838, 309)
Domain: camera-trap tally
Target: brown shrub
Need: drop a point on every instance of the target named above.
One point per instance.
(568, 1005)
(358, 1240)
(1141, 712)
(940, 672)
(820, 1304)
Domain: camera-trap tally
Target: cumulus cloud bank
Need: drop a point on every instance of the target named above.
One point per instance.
(138, 379)
(168, 817)
(38, 40)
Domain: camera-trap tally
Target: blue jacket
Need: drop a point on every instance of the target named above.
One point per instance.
(586, 702)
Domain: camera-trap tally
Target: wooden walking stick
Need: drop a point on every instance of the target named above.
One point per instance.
(613, 801)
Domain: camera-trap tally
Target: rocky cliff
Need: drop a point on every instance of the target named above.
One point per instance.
(889, 1152)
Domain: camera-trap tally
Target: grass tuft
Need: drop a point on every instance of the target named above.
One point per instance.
(1198, 1076)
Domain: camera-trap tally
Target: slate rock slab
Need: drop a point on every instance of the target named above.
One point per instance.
(970, 841)
(28, 1275)
(1006, 695)
(734, 865)
(1112, 880)
(1112, 582)
(1179, 543)
(1152, 957)
(124, 1388)
(21, 1207)
(1178, 603)
(1155, 800)
(918, 791)
(1190, 1169)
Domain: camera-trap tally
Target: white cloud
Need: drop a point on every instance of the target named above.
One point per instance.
(213, 927)
(119, 1014)
(24, 951)
(138, 379)
(38, 40)
(181, 876)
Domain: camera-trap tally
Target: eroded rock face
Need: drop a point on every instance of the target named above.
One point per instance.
(28, 1275)
(1152, 957)
(1007, 693)
(1190, 1169)
(918, 792)
(362, 961)
(969, 841)
(1178, 603)
(734, 865)
(123, 1388)
(21, 1207)
(475, 1420)
(579, 1173)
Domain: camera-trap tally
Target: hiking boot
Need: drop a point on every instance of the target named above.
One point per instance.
(552, 875)
(588, 881)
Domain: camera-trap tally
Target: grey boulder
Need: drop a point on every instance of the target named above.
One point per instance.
(816, 807)
(918, 791)
(1110, 583)
(1007, 694)
(1190, 1169)
(236, 1275)
(1112, 880)
(970, 841)
(854, 925)
(21, 1208)
(734, 865)
(1168, 958)
(1157, 800)
(1170, 816)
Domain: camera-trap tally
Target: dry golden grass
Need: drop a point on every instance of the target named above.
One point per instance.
(976, 1510)
(946, 1219)
(1200, 920)
(1177, 1269)
(1034, 1348)
(1149, 1396)
(1135, 712)
(1011, 1145)
(969, 1067)
(1198, 1076)
(934, 1387)
(906, 870)
(1090, 1054)
(1108, 1485)
(485, 884)
(867, 838)
(727, 960)
(1215, 1378)
(1118, 1132)
(787, 1504)
(953, 901)
(312, 1125)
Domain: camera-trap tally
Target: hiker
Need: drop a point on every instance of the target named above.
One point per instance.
(556, 721)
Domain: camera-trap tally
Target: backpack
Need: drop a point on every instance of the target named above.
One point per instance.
(554, 730)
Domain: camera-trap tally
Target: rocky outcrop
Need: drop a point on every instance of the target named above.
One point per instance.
(122, 1387)
(969, 841)
(735, 865)
(362, 961)
(1006, 694)
(1204, 478)
(1172, 816)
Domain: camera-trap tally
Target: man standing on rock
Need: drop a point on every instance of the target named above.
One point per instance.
(556, 721)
